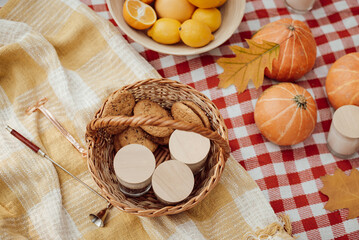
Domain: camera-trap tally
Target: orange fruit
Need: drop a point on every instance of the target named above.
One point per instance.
(207, 3)
(180, 10)
(138, 15)
(147, 1)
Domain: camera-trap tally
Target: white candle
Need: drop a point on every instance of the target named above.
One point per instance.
(134, 165)
(300, 5)
(190, 148)
(172, 182)
(343, 137)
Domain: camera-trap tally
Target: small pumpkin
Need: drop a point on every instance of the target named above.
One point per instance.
(298, 49)
(286, 114)
(342, 83)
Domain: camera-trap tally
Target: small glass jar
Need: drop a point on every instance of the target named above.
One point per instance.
(343, 137)
(190, 148)
(172, 182)
(299, 6)
(134, 165)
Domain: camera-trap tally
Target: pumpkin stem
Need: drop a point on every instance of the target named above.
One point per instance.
(301, 101)
(291, 27)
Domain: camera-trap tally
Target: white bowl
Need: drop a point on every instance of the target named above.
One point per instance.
(232, 14)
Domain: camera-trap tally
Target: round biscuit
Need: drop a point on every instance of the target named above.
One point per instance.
(134, 135)
(184, 113)
(120, 103)
(199, 112)
(148, 107)
(159, 140)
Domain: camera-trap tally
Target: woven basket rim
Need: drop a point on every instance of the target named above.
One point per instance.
(221, 140)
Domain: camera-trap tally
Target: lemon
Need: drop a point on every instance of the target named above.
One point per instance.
(195, 34)
(180, 10)
(207, 3)
(165, 31)
(210, 16)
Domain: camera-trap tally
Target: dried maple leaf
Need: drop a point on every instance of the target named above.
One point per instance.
(343, 191)
(249, 63)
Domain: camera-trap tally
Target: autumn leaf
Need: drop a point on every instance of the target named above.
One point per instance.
(249, 63)
(343, 191)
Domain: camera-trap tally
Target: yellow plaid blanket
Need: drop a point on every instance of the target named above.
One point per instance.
(62, 50)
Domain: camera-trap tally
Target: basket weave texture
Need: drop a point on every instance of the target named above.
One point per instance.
(164, 92)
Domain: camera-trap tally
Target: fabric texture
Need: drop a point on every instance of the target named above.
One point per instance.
(63, 51)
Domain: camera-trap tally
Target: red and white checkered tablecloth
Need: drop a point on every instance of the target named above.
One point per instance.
(289, 177)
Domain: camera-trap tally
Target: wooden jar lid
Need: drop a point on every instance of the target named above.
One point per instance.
(172, 181)
(190, 148)
(134, 165)
(346, 121)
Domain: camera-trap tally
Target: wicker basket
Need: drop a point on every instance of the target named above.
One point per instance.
(101, 151)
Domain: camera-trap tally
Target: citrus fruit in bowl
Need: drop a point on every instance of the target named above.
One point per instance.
(138, 15)
(210, 16)
(180, 10)
(207, 3)
(228, 25)
(165, 30)
(195, 34)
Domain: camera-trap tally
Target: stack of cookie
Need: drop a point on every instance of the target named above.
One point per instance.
(123, 103)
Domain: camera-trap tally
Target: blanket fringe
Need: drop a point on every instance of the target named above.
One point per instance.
(284, 226)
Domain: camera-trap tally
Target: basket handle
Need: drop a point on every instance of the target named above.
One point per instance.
(141, 120)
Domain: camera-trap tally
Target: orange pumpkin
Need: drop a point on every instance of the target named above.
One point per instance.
(342, 84)
(298, 49)
(286, 114)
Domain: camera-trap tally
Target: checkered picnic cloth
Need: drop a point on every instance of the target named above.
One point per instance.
(288, 176)
(62, 50)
